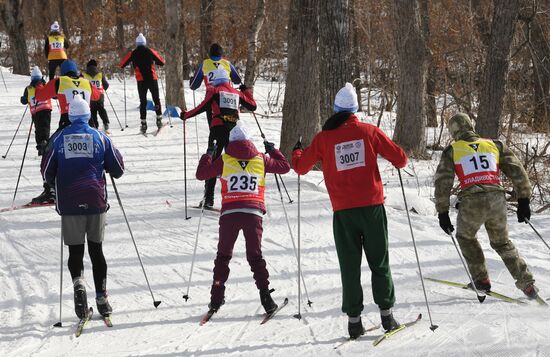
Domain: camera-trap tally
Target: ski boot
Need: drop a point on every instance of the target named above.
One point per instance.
(481, 284)
(388, 322)
(103, 305)
(47, 196)
(106, 127)
(143, 128)
(80, 299)
(531, 291)
(267, 301)
(355, 327)
(159, 121)
(215, 305)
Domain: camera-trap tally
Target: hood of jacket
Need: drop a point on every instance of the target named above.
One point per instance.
(241, 149)
(461, 127)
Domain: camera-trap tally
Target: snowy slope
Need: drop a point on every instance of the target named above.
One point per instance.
(152, 191)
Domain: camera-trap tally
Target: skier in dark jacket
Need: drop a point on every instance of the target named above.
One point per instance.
(97, 105)
(76, 163)
(242, 171)
(143, 60)
(224, 101)
(54, 48)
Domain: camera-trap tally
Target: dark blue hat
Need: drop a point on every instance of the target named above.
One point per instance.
(68, 66)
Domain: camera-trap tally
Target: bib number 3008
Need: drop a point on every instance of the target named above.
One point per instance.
(78, 145)
(349, 155)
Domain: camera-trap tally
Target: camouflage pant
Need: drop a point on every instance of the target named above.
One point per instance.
(489, 209)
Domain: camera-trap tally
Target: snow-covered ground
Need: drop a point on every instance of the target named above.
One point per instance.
(152, 191)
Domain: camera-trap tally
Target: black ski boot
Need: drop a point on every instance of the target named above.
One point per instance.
(47, 196)
(215, 306)
(355, 327)
(103, 305)
(159, 121)
(143, 128)
(80, 299)
(267, 301)
(388, 322)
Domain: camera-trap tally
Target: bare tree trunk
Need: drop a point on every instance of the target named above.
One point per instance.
(411, 59)
(207, 16)
(430, 100)
(174, 82)
(11, 13)
(186, 66)
(334, 50)
(253, 31)
(63, 18)
(540, 57)
(497, 61)
(301, 103)
(480, 12)
(119, 26)
(356, 54)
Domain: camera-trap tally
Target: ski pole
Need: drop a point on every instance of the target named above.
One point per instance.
(155, 302)
(59, 324)
(16, 131)
(185, 169)
(296, 253)
(114, 111)
(299, 314)
(3, 80)
(481, 298)
(263, 137)
(124, 80)
(186, 296)
(22, 163)
(196, 128)
(432, 326)
(537, 233)
(166, 105)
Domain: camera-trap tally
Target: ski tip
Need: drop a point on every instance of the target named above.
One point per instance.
(156, 303)
(58, 324)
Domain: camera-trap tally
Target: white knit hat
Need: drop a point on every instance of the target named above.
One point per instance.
(35, 73)
(141, 40)
(54, 27)
(346, 99)
(239, 132)
(78, 107)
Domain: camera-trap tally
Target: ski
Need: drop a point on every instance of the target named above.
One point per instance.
(207, 316)
(83, 322)
(269, 316)
(26, 205)
(490, 292)
(541, 301)
(393, 332)
(349, 339)
(107, 320)
(157, 132)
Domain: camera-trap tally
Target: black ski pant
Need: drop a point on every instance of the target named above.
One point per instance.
(99, 265)
(64, 121)
(52, 66)
(153, 87)
(42, 121)
(220, 133)
(98, 108)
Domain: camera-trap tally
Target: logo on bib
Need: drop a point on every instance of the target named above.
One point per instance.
(474, 146)
(76, 83)
(243, 164)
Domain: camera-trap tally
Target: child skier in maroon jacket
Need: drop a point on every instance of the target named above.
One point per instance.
(242, 172)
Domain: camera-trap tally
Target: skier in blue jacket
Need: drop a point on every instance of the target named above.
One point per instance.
(75, 164)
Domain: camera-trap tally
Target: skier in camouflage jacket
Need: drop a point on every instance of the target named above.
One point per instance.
(477, 162)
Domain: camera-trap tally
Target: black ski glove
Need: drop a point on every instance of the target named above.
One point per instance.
(269, 147)
(298, 145)
(243, 87)
(524, 211)
(211, 150)
(445, 222)
(182, 115)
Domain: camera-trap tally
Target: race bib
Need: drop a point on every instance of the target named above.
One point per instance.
(96, 83)
(349, 155)
(78, 145)
(33, 100)
(478, 162)
(229, 100)
(242, 182)
(56, 45)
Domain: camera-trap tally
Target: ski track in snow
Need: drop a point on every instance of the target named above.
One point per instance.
(152, 191)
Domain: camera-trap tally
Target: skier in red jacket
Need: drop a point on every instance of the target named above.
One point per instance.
(348, 150)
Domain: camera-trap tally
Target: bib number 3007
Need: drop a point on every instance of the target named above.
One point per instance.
(78, 145)
(349, 155)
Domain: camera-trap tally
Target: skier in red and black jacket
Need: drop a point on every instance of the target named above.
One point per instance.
(224, 100)
(143, 60)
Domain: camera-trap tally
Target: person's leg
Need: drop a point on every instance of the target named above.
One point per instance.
(497, 229)
(228, 233)
(52, 65)
(142, 91)
(348, 241)
(221, 135)
(93, 118)
(471, 215)
(103, 113)
(73, 230)
(154, 88)
(42, 120)
(75, 261)
(252, 231)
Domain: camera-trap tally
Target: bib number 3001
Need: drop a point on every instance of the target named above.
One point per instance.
(78, 145)
(349, 155)
(229, 100)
